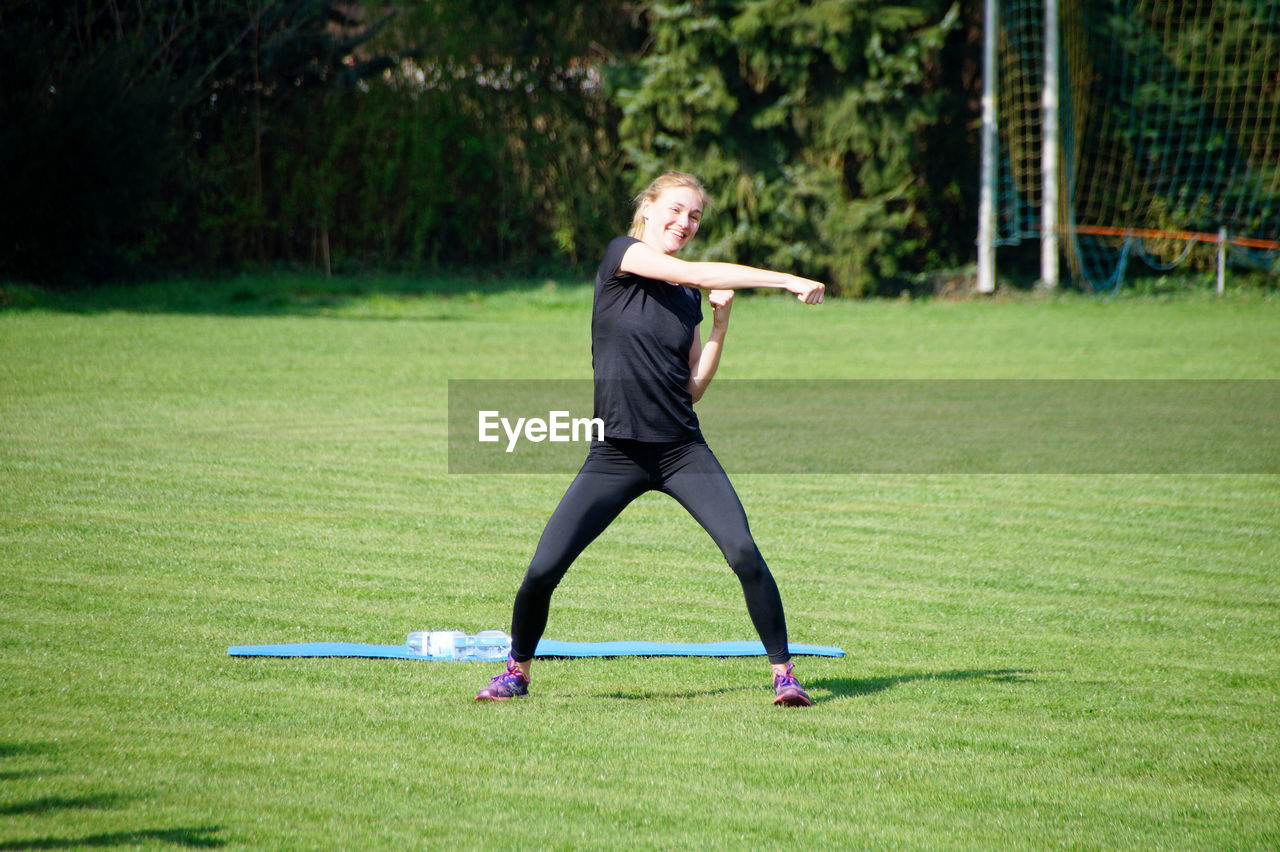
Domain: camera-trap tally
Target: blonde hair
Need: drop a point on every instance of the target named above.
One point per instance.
(660, 185)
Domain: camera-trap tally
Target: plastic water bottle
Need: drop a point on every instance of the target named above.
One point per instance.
(455, 645)
(490, 645)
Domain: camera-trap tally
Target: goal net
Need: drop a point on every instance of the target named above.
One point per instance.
(1169, 143)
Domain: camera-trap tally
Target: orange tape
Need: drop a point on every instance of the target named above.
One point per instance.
(1155, 234)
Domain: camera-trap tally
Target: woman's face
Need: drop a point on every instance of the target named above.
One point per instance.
(672, 218)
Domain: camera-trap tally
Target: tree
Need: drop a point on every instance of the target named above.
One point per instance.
(113, 115)
(500, 134)
(811, 123)
(249, 132)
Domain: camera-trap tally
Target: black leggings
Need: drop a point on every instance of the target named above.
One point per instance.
(614, 474)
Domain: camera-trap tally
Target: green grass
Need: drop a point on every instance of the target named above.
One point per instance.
(1033, 661)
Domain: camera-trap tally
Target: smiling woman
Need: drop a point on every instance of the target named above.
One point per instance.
(667, 217)
(686, 201)
(650, 367)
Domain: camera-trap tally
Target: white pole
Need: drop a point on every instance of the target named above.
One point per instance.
(987, 190)
(1049, 152)
(1222, 260)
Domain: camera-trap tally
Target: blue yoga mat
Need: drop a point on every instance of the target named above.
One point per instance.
(546, 648)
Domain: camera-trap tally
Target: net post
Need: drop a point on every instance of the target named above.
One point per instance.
(1049, 151)
(1222, 260)
(987, 191)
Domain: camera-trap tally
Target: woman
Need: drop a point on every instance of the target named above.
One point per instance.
(650, 368)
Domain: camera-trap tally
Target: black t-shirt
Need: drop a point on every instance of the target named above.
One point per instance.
(641, 332)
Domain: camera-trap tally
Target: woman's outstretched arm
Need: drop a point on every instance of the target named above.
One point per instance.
(642, 260)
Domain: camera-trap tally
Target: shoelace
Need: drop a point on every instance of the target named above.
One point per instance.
(511, 672)
(785, 681)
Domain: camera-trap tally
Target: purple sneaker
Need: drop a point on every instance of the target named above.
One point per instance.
(788, 692)
(510, 684)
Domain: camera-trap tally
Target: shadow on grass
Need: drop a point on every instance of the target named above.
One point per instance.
(9, 750)
(200, 837)
(194, 837)
(845, 687)
(839, 687)
(45, 804)
(13, 749)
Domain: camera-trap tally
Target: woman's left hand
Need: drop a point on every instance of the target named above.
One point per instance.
(721, 303)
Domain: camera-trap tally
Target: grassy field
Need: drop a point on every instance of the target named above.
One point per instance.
(1088, 661)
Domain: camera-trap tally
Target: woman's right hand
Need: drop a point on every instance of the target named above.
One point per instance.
(809, 292)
